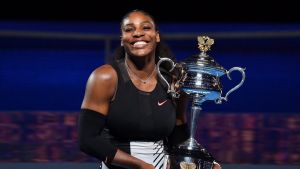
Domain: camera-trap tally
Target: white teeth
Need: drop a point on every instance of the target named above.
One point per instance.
(139, 44)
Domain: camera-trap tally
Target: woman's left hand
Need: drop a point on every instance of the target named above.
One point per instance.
(216, 165)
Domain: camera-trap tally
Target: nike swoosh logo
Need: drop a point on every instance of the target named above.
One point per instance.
(161, 103)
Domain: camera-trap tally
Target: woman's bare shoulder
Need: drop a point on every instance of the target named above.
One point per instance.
(100, 89)
(102, 82)
(104, 74)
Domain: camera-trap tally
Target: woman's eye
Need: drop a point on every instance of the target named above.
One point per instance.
(128, 29)
(147, 28)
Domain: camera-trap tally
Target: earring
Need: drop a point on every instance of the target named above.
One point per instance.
(121, 40)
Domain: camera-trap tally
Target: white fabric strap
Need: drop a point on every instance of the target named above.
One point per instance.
(150, 152)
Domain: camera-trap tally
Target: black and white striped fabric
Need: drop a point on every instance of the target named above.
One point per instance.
(150, 152)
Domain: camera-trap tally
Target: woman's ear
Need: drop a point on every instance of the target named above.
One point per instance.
(157, 37)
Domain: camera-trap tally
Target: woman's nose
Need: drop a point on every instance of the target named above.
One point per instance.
(138, 32)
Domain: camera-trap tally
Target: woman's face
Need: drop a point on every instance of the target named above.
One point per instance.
(139, 35)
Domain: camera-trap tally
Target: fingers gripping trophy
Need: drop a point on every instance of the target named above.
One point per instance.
(199, 78)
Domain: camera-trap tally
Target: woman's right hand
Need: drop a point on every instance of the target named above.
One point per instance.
(145, 165)
(125, 160)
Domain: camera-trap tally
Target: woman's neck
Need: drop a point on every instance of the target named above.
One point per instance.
(141, 68)
(145, 64)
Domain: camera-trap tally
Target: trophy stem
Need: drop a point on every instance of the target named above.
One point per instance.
(191, 143)
(195, 113)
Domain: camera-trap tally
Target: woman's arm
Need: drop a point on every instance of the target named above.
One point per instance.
(100, 90)
(180, 132)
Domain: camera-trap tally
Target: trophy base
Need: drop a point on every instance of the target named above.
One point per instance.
(189, 159)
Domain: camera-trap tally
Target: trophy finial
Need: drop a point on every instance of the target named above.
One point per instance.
(204, 43)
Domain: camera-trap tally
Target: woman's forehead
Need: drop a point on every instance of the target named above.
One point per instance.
(137, 17)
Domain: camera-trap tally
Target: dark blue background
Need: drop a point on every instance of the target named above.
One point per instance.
(50, 73)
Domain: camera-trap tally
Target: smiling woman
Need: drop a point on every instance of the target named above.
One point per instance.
(128, 105)
(128, 124)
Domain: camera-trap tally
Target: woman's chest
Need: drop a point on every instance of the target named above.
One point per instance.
(141, 114)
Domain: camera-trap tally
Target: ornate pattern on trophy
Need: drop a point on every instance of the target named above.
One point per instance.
(199, 77)
(185, 165)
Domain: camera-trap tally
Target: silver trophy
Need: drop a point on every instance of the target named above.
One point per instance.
(198, 77)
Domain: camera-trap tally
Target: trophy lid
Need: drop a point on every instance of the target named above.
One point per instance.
(203, 63)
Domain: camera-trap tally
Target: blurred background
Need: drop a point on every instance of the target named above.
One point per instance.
(48, 50)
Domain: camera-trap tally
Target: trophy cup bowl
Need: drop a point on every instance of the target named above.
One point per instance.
(200, 80)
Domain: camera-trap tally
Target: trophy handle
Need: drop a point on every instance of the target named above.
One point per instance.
(242, 70)
(173, 92)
